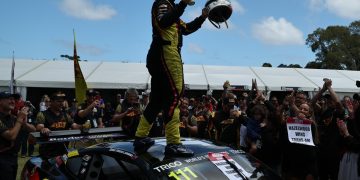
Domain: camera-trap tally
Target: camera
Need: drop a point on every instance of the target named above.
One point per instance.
(30, 105)
(357, 83)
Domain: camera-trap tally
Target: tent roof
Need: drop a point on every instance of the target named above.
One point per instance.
(117, 75)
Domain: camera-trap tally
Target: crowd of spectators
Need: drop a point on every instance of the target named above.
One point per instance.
(250, 120)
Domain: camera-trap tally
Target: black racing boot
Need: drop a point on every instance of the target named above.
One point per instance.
(178, 150)
(141, 145)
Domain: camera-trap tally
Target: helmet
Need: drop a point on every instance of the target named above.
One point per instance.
(219, 11)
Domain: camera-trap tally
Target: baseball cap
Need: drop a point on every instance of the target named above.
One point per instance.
(91, 92)
(57, 95)
(5, 95)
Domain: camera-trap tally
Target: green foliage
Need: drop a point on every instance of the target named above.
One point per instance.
(266, 65)
(336, 47)
(289, 66)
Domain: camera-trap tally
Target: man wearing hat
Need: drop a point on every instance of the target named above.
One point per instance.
(10, 126)
(54, 119)
(91, 110)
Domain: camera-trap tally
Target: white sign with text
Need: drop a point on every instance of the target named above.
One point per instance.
(299, 131)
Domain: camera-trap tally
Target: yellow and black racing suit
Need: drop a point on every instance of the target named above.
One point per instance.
(165, 67)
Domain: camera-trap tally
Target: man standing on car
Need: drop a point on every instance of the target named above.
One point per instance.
(53, 119)
(9, 140)
(165, 67)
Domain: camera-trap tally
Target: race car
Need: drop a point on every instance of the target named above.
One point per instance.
(117, 160)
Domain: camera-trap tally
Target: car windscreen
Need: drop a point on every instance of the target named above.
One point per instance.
(231, 164)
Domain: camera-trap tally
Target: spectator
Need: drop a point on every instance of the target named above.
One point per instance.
(329, 147)
(349, 165)
(201, 115)
(90, 110)
(26, 147)
(119, 101)
(44, 103)
(157, 129)
(299, 160)
(53, 119)
(144, 101)
(129, 116)
(108, 115)
(188, 125)
(227, 122)
(9, 130)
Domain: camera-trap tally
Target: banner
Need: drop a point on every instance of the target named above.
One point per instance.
(80, 84)
(299, 131)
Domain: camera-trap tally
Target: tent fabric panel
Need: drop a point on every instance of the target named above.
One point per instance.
(340, 82)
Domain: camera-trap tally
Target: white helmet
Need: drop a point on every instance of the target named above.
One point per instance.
(219, 11)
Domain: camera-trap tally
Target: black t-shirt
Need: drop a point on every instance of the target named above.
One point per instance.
(53, 122)
(227, 127)
(96, 113)
(8, 148)
(298, 159)
(130, 122)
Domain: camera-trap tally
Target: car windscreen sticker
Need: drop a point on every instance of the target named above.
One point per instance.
(228, 166)
(299, 131)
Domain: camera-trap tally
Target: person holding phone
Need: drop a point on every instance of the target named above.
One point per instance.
(10, 127)
(90, 110)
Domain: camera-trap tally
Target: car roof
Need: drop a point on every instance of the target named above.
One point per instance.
(199, 146)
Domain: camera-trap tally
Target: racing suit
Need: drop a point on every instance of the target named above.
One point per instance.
(165, 66)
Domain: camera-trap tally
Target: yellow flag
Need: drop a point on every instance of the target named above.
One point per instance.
(80, 83)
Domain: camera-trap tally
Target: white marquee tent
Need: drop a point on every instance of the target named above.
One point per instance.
(117, 75)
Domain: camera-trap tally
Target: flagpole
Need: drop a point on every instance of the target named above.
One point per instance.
(12, 80)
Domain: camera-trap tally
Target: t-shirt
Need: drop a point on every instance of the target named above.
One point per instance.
(54, 122)
(130, 122)
(94, 116)
(227, 127)
(8, 148)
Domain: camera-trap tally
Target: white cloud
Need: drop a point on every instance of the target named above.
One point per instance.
(237, 7)
(349, 9)
(86, 9)
(316, 5)
(82, 48)
(195, 48)
(278, 32)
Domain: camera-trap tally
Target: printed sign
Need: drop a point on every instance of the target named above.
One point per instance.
(227, 165)
(299, 131)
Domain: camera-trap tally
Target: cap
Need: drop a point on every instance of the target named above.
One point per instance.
(58, 95)
(91, 92)
(5, 95)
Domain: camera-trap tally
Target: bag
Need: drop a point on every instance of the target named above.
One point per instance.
(348, 168)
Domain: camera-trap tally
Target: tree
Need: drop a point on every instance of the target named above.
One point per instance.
(313, 65)
(336, 47)
(289, 66)
(266, 65)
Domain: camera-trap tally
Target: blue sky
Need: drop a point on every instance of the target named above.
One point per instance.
(118, 30)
